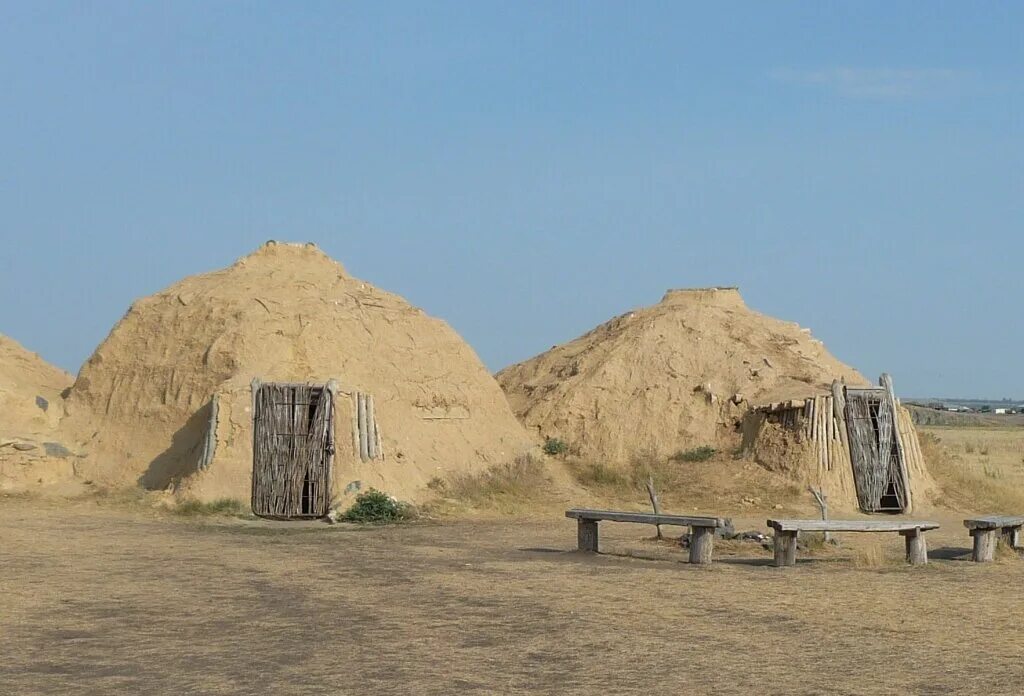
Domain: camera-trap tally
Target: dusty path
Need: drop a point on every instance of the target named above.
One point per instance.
(97, 601)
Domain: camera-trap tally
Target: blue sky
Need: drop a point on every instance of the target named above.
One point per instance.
(529, 170)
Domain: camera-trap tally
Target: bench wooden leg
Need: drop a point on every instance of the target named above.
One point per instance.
(586, 535)
(785, 549)
(917, 547)
(702, 541)
(985, 541)
(1011, 535)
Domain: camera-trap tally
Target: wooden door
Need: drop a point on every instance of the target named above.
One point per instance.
(874, 451)
(293, 448)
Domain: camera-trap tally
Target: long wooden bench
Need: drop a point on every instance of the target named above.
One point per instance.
(702, 529)
(786, 532)
(987, 532)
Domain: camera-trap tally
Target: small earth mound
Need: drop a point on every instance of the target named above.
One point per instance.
(667, 378)
(31, 403)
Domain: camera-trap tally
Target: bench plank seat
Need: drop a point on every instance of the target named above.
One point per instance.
(850, 525)
(994, 522)
(786, 532)
(702, 529)
(986, 531)
(646, 518)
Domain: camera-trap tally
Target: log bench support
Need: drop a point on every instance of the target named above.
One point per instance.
(917, 547)
(987, 531)
(786, 532)
(586, 535)
(702, 529)
(702, 542)
(785, 549)
(985, 541)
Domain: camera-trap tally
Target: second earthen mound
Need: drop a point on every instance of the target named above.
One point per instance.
(670, 377)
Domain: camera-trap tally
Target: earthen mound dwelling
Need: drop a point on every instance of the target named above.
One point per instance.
(166, 400)
(31, 404)
(666, 378)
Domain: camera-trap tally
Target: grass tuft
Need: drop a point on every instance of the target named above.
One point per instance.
(224, 507)
(872, 556)
(554, 446)
(598, 475)
(697, 454)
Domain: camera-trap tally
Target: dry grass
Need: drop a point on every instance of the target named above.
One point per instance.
(101, 601)
(600, 477)
(1006, 554)
(224, 506)
(874, 555)
(686, 485)
(504, 488)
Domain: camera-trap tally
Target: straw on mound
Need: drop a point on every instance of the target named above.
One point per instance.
(31, 404)
(285, 313)
(670, 377)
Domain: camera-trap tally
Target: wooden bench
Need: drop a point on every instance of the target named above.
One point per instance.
(912, 530)
(987, 531)
(702, 529)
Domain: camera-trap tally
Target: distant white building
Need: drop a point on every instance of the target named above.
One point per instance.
(999, 411)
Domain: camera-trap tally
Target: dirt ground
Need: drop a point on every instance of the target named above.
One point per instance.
(101, 600)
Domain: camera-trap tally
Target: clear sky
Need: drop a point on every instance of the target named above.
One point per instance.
(527, 170)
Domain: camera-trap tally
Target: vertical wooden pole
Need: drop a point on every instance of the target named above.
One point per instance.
(654, 502)
(371, 428)
(364, 452)
(822, 500)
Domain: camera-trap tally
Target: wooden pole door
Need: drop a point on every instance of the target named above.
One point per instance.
(878, 468)
(293, 450)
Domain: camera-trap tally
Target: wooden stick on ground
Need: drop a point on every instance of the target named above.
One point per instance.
(654, 502)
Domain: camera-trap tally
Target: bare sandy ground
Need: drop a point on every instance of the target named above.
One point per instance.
(102, 601)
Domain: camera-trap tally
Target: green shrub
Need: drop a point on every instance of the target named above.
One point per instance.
(377, 507)
(697, 454)
(553, 446)
(222, 506)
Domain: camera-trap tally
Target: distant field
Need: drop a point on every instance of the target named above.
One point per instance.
(931, 417)
(995, 457)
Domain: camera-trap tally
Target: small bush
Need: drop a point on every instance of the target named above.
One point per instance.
(228, 507)
(553, 446)
(377, 507)
(697, 454)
